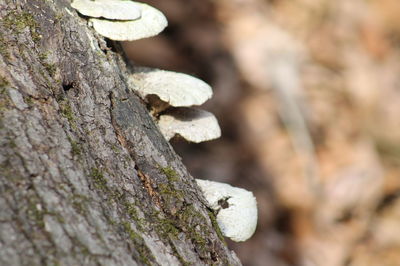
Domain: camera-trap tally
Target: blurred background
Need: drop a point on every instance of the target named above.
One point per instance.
(307, 93)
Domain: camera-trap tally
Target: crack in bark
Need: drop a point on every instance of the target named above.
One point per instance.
(118, 132)
(148, 185)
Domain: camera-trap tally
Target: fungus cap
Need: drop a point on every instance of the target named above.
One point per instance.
(238, 220)
(194, 125)
(109, 9)
(176, 89)
(151, 23)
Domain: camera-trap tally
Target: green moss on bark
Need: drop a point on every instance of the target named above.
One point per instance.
(18, 22)
(145, 255)
(98, 178)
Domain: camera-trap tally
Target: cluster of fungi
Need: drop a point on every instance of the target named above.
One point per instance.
(171, 97)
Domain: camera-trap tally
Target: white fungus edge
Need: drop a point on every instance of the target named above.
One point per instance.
(237, 222)
(175, 89)
(194, 125)
(151, 23)
(108, 9)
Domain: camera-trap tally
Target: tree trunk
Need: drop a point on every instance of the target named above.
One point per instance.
(85, 175)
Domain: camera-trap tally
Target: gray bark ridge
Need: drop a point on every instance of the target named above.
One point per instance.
(86, 178)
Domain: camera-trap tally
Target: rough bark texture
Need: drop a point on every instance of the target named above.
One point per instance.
(85, 175)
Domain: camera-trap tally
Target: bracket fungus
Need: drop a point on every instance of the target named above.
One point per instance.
(175, 92)
(194, 125)
(123, 20)
(109, 9)
(151, 23)
(175, 89)
(236, 208)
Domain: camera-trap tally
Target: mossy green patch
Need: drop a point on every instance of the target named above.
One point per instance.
(168, 193)
(183, 217)
(84, 250)
(111, 221)
(5, 102)
(66, 111)
(3, 82)
(43, 57)
(145, 255)
(29, 100)
(197, 228)
(58, 18)
(9, 172)
(199, 241)
(3, 47)
(132, 234)
(50, 68)
(216, 226)
(170, 174)
(75, 147)
(60, 219)
(167, 228)
(189, 221)
(79, 203)
(130, 209)
(115, 148)
(12, 143)
(98, 178)
(116, 195)
(172, 197)
(35, 212)
(18, 22)
(163, 226)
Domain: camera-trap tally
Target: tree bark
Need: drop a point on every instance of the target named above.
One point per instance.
(85, 175)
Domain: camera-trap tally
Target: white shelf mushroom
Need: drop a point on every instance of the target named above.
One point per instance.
(236, 208)
(194, 125)
(109, 9)
(151, 23)
(176, 89)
